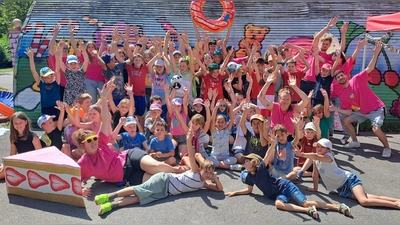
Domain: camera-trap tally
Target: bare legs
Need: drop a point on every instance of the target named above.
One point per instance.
(368, 200)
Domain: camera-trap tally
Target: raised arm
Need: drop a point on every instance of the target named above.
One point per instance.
(243, 119)
(377, 51)
(361, 43)
(73, 41)
(225, 63)
(61, 107)
(332, 23)
(231, 115)
(270, 153)
(261, 96)
(214, 115)
(32, 66)
(86, 62)
(306, 63)
(105, 127)
(343, 31)
(53, 39)
(59, 61)
(208, 116)
(304, 99)
(115, 134)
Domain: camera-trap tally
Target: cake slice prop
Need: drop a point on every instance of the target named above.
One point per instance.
(45, 174)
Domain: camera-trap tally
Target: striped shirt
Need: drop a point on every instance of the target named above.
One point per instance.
(184, 182)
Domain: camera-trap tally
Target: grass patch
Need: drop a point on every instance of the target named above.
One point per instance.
(6, 70)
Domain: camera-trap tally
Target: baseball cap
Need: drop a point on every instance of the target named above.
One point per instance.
(252, 156)
(107, 58)
(310, 126)
(217, 52)
(327, 66)
(258, 117)
(213, 66)
(324, 142)
(46, 71)
(159, 62)
(198, 101)
(177, 52)
(177, 101)
(155, 106)
(130, 120)
(43, 118)
(72, 59)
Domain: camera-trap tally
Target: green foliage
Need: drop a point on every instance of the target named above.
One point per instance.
(5, 54)
(11, 10)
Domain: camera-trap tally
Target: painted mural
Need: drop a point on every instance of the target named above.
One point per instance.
(36, 33)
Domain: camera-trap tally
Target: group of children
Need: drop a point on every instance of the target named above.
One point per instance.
(203, 107)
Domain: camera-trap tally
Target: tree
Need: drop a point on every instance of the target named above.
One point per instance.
(10, 10)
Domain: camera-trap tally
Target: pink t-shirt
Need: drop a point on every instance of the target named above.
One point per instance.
(94, 71)
(105, 164)
(358, 96)
(176, 128)
(311, 73)
(278, 116)
(336, 88)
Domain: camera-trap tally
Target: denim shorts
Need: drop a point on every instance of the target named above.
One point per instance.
(351, 182)
(291, 191)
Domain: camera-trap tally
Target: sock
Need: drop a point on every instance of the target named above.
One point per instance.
(299, 174)
(114, 205)
(112, 196)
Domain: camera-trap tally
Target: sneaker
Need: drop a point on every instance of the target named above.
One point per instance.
(101, 199)
(344, 140)
(387, 152)
(105, 208)
(237, 167)
(352, 144)
(298, 177)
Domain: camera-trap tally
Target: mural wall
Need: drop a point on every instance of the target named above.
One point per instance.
(251, 24)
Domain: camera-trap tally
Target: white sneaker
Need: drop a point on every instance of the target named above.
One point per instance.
(237, 167)
(352, 144)
(387, 152)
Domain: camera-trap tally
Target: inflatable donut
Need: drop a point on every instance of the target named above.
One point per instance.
(226, 19)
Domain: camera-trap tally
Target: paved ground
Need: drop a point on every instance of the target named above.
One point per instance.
(380, 176)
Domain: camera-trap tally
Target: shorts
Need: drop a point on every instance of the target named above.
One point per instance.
(181, 139)
(133, 174)
(238, 151)
(140, 105)
(291, 191)
(351, 182)
(376, 117)
(153, 189)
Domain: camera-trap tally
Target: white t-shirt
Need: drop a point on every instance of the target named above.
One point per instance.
(332, 176)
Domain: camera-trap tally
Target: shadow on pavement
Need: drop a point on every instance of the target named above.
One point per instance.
(50, 207)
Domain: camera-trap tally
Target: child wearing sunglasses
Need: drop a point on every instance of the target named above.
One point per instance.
(132, 166)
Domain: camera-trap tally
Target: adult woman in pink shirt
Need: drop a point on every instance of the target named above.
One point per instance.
(282, 111)
(133, 166)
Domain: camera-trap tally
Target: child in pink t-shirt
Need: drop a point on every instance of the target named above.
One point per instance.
(174, 106)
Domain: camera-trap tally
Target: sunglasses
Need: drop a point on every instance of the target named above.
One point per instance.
(90, 139)
(223, 105)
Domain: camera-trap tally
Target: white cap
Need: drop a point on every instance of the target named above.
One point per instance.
(310, 126)
(324, 142)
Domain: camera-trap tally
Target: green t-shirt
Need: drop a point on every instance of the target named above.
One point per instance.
(324, 125)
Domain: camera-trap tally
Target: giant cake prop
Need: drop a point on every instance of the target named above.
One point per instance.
(45, 174)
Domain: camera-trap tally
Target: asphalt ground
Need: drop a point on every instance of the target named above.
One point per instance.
(380, 176)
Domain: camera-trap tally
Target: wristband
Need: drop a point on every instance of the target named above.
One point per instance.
(140, 45)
